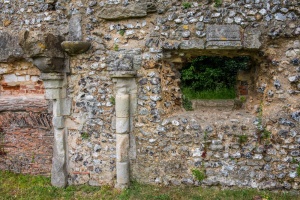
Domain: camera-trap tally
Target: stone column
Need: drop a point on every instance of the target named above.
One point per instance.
(55, 91)
(125, 87)
(122, 138)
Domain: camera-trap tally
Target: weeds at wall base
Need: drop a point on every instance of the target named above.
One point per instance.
(19, 186)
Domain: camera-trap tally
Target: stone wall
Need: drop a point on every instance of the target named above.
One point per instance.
(255, 144)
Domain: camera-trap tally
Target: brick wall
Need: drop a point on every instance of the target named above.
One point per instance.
(25, 126)
(20, 79)
(25, 121)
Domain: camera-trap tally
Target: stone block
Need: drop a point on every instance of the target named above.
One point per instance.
(131, 124)
(72, 125)
(9, 47)
(57, 110)
(75, 33)
(133, 104)
(121, 61)
(192, 44)
(55, 93)
(113, 12)
(132, 147)
(53, 84)
(122, 125)
(252, 39)
(41, 44)
(223, 33)
(52, 76)
(66, 106)
(58, 122)
(122, 174)
(8, 78)
(49, 64)
(223, 45)
(122, 147)
(122, 105)
(59, 173)
(223, 37)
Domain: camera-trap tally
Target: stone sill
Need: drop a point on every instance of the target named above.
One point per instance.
(200, 103)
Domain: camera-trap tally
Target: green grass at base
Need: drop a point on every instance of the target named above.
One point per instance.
(21, 187)
(222, 93)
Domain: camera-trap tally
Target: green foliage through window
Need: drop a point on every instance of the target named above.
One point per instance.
(207, 74)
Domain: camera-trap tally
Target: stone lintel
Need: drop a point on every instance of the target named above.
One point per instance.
(224, 45)
(223, 33)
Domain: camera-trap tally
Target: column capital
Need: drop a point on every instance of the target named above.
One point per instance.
(52, 76)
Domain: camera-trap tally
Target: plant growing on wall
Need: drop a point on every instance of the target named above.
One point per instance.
(186, 5)
(116, 47)
(263, 134)
(298, 170)
(85, 135)
(218, 3)
(2, 150)
(198, 174)
(122, 32)
(112, 100)
(212, 77)
(242, 139)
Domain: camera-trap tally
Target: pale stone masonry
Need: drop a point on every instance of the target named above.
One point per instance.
(125, 101)
(55, 91)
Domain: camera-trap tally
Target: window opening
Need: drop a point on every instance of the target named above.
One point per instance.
(208, 77)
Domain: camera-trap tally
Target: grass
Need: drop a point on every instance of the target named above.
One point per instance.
(17, 186)
(222, 93)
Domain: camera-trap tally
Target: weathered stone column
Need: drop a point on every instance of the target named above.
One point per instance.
(46, 53)
(122, 138)
(55, 91)
(124, 84)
